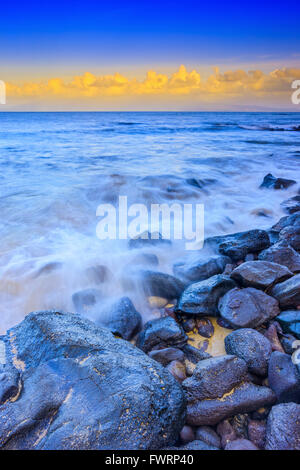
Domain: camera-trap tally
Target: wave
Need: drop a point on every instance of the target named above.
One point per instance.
(271, 127)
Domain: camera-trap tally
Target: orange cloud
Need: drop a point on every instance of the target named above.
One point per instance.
(183, 83)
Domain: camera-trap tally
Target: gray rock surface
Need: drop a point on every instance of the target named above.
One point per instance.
(122, 319)
(161, 333)
(260, 274)
(284, 378)
(81, 388)
(283, 427)
(282, 253)
(288, 292)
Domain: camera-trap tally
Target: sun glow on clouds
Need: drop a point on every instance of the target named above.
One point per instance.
(217, 87)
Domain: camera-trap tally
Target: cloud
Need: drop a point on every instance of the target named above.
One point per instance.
(182, 83)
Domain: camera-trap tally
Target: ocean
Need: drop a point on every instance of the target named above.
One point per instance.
(56, 168)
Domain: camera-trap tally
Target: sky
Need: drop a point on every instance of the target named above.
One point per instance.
(149, 55)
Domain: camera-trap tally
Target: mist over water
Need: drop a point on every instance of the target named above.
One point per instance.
(56, 168)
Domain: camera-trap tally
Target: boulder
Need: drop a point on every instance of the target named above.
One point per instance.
(260, 274)
(288, 292)
(283, 430)
(282, 253)
(290, 322)
(226, 432)
(202, 297)
(292, 205)
(187, 434)
(287, 221)
(208, 435)
(219, 388)
(167, 355)
(81, 388)
(247, 308)
(85, 299)
(292, 236)
(122, 319)
(202, 269)
(238, 245)
(241, 444)
(252, 346)
(284, 378)
(161, 333)
(271, 182)
(257, 433)
(153, 283)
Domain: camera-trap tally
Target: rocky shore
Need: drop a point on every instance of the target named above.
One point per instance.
(217, 369)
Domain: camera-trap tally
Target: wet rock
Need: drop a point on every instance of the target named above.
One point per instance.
(188, 324)
(284, 378)
(193, 354)
(288, 343)
(247, 308)
(238, 245)
(202, 269)
(160, 284)
(122, 319)
(287, 221)
(75, 376)
(85, 299)
(271, 182)
(292, 205)
(290, 322)
(272, 336)
(241, 444)
(282, 253)
(187, 434)
(9, 385)
(205, 327)
(240, 425)
(98, 274)
(208, 435)
(283, 430)
(257, 433)
(148, 239)
(161, 333)
(260, 274)
(177, 369)
(202, 297)
(167, 355)
(288, 292)
(292, 236)
(219, 389)
(226, 432)
(251, 346)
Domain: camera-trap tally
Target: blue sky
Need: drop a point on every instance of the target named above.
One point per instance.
(137, 33)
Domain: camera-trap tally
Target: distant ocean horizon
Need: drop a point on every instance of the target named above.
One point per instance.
(57, 167)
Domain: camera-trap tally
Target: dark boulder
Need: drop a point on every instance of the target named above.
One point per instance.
(122, 319)
(252, 346)
(208, 435)
(282, 253)
(247, 308)
(202, 269)
(187, 434)
(284, 378)
(202, 297)
(260, 274)
(283, 430)
(81, 388)
(219, 389)
(271, 182)
(292, 236)
(178, 370)
(238, 245)
(257, 433)
(161, 333)
(167, 355)
(287, 221)
(288, 292)
(292, 205)
(290, 322)
(86, 299)
(153, 283)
